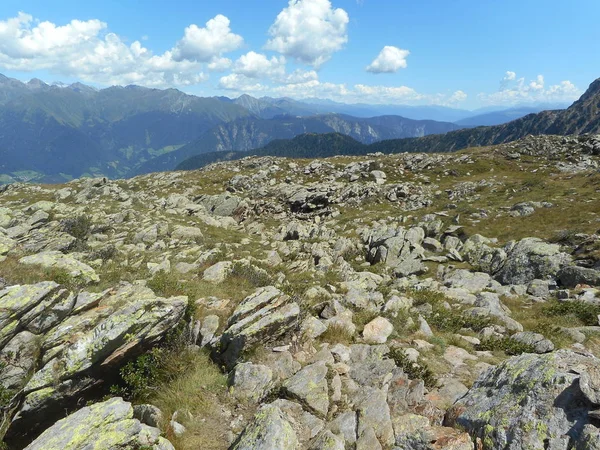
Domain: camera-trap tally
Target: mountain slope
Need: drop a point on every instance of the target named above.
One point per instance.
(500, 117)
(250, 133)
(63, 132)
(581, 117)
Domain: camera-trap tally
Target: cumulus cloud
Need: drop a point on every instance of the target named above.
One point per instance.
(390, 60)
(386, 94)
(203, 44)
(83, 49)
(515, 90)
(42, 45)
(310, 31)
(240, 83)
(257, 65)
(457, 97)
(300, 76)
(218, 64)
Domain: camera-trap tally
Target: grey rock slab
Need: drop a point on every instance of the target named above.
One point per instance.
(589, 383)
(218, 273)
(6, 244)
(306, 425)
(18, 358)
(106, 425)
(367, 440)
(473, 282)
(531, 259)
(327, 441)
(543, 389)
(536, 340)
(569, 276)
(309, 386)
(374, 413)
(268, 430)
(262, 317)
(250, 382)
(345, 425)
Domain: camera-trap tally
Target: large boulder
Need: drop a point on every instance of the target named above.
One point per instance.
(478, 252)
(6, 244)
(269, 430)
(530, 259)
(309, 386)
(530, 401)
(224, 205)
(261, 318)
(571, 276)
(70, 343)
(399, 248)
(106, 425)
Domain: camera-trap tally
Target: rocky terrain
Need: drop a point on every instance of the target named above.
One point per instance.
(410, 301)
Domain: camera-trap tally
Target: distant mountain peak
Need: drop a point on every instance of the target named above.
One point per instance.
(36, 83)
(592, 91)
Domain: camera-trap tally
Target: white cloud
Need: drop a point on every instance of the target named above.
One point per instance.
(22, 44)
(515, 91)
(257, 65)
(219, 64)
(83, 50)
(240, 83)
(509, 76)
(204, 44)
(458, 97)
(386, 94)
(300, 76)
(309, 31)
(390, 60)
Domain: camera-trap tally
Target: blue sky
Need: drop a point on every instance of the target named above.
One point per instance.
(460, 53)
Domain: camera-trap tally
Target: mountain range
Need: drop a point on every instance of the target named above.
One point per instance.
(250, 133)
(581, 117)
(55, 132)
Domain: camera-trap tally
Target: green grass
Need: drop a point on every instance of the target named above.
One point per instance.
(197, 390)
(415, 370)
(337, 334)
(15, 273)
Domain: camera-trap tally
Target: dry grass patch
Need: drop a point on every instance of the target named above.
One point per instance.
(337, 334)
(198, 395)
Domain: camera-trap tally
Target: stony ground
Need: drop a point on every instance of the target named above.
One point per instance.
(413, 301)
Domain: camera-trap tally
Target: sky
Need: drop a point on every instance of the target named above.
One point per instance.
(459, 53)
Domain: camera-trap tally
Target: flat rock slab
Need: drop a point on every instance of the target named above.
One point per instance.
(58, 260)
(106, 425)
(309, 386)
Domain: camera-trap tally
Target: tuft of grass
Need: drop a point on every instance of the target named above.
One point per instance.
(251, 275)
(363, 317)
(336, 334)
(14, 273)
(506, 344)
(415, 370)
(422, 296)
(453, 321)
(585, 312)
(198, 393)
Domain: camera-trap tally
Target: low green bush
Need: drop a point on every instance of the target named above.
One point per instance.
(587, 313)
(506, 344)
(415, 370)
(453, 321)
